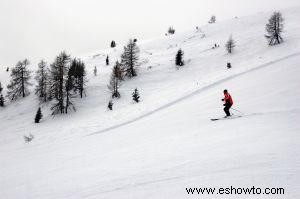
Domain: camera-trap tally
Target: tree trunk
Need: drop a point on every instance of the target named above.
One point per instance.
(22, 79)
(61, 81)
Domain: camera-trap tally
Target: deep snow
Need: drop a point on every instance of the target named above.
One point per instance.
(157, 148)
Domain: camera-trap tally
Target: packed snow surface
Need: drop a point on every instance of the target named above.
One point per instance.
(166, 143)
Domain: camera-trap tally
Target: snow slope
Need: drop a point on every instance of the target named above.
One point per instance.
(157, 148)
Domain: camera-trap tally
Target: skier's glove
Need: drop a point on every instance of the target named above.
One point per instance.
(222, 99)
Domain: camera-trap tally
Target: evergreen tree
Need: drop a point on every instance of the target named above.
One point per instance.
(274, 29)
(42, 78)
(95, 71)
(69, 95)
(179, 58)
(130, 59)
(38, 115)
(136, 96)
(113, 44)
(230, 45)
(1, 96)
(114, 82)
(110, 105)
(19, 83)
(78, 76)
(7, 69)
(212, 19)
(58, 82)
(2, 101)
(118, 73)
(107, 60)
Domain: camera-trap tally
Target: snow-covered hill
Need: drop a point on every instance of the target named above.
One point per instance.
(166, 143)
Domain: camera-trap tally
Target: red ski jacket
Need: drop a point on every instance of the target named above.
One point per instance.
(228, 99)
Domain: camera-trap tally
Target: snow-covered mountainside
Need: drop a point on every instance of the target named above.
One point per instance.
(166, 143)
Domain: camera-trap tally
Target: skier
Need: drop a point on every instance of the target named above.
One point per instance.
(228, 102)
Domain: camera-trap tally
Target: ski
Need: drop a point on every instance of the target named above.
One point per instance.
(215, 119)
(225, 118)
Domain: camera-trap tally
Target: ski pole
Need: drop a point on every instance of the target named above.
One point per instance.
(237, 111)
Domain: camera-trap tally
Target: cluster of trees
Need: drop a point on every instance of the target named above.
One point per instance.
(59, 83)
(126, 68)
(123, 70)
(65, 78)
(129, 58)
(274, 28)
(135, 97)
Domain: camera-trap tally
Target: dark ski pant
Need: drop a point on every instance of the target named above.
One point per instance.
(226, 109)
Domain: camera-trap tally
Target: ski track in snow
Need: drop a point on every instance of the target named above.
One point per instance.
(196, 93)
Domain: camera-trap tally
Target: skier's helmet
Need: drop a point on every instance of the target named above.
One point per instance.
(225, 91)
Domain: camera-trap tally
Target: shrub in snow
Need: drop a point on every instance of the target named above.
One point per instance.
(28, 138)
(171, 30)
(215, 46)
(212, 19)
(228, 65)
(136, 96)
(179, 58)
(110, 105)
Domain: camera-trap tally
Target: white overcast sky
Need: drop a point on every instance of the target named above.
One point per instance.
(37, 29)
